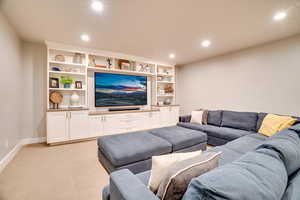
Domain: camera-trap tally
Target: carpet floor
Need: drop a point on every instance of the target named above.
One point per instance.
(42, 172)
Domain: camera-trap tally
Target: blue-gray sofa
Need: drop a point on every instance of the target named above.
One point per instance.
(251, 167)
(224, 126)
(236, 133)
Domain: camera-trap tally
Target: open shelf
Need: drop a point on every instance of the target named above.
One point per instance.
(66, 63)
(166, 82)
(67, 73)
(67, 89)
(118, 71)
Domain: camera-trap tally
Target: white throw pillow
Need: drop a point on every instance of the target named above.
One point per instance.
(197, 116)
(161, 163)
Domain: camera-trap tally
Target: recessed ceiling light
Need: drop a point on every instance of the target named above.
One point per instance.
(85, 38)
(206, 43)
(97, 6)
(280, 16)
(172, 55)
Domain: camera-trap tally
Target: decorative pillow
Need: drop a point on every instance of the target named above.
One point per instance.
(240, 120)
(197, 116)
(214, 117)
(204, 116)
(274, 123)
(260, 118)
(178, 176)
(161, 163)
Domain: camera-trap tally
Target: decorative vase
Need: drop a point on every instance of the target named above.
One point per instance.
(74, 100)
(67, 85)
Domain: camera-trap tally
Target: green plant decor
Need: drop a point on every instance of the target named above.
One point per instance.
(67, 81)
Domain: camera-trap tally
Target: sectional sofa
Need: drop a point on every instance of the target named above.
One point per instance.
(224, 126)
(234, 133)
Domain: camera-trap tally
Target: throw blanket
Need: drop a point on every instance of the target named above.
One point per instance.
(259, 175)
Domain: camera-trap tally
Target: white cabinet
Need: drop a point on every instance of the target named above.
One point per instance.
(57, 128)
(64, 126)
(78, 125)
(75, 125)
(95, 126)
(169, 116)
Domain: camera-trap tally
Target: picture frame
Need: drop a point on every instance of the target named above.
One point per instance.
(78, 84)
(54, 82)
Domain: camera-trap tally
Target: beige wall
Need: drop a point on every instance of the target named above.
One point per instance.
(35, 76)
(264, 78)
(22, 87)
(11, 89)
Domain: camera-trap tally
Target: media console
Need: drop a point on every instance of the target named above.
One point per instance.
(66, 126)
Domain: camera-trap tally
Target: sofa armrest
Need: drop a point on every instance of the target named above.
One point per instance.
(185, 118)
(124, 185)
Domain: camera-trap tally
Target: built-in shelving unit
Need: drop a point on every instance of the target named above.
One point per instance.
(79, 65)
(165, 85)
(69, 122)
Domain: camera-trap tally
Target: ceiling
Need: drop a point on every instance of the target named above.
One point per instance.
(155, 28)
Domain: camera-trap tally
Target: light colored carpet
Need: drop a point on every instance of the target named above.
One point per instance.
(64, 172)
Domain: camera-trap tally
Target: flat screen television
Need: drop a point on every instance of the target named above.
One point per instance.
(120, 90)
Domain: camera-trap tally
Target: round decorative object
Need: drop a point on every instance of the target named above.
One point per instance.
(74, 100)
(60, 58)
(56, 97)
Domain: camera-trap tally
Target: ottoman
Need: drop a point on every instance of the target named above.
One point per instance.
(134, 150)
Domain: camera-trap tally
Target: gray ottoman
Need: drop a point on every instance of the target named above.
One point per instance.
(134, 150)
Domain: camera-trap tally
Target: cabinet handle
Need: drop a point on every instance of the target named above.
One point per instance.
(70, 115)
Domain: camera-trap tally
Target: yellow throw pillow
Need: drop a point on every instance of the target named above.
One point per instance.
(274, 123)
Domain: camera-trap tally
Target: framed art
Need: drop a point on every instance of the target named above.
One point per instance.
(54, 83)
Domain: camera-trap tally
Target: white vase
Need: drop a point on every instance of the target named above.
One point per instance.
(74, 100)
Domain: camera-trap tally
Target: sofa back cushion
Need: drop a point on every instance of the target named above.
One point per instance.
(292, 191)
(256, 175)
(261, 117)
(214, 117)
(239, 120)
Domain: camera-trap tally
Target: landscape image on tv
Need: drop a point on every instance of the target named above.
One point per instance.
(120, 90)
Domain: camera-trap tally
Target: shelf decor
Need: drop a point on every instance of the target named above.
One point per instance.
(66, 81)
(54, 83)
(55, 98)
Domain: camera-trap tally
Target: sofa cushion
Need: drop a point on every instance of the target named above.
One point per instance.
(292, 191)
(259, 175)
(239, 120)
(127, 148)
(260, 119)
(218, 132)
(227, 155)
(214, 117)
(247, 143)
(180, 137)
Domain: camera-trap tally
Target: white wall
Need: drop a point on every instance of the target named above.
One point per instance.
(264, 78)
(11, 87)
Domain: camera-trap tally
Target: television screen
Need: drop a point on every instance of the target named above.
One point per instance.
(120, 90)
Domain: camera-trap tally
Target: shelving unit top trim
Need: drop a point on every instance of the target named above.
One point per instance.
(76, 49)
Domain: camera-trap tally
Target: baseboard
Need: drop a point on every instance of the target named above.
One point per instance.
(33, 140)
(9, 157)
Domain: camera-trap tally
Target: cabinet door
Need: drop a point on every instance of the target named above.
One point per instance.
(113, 124)
(164, 116)
(174, 116)
(57, 130)
(95, 126)
(154, 119)
(78, 125)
